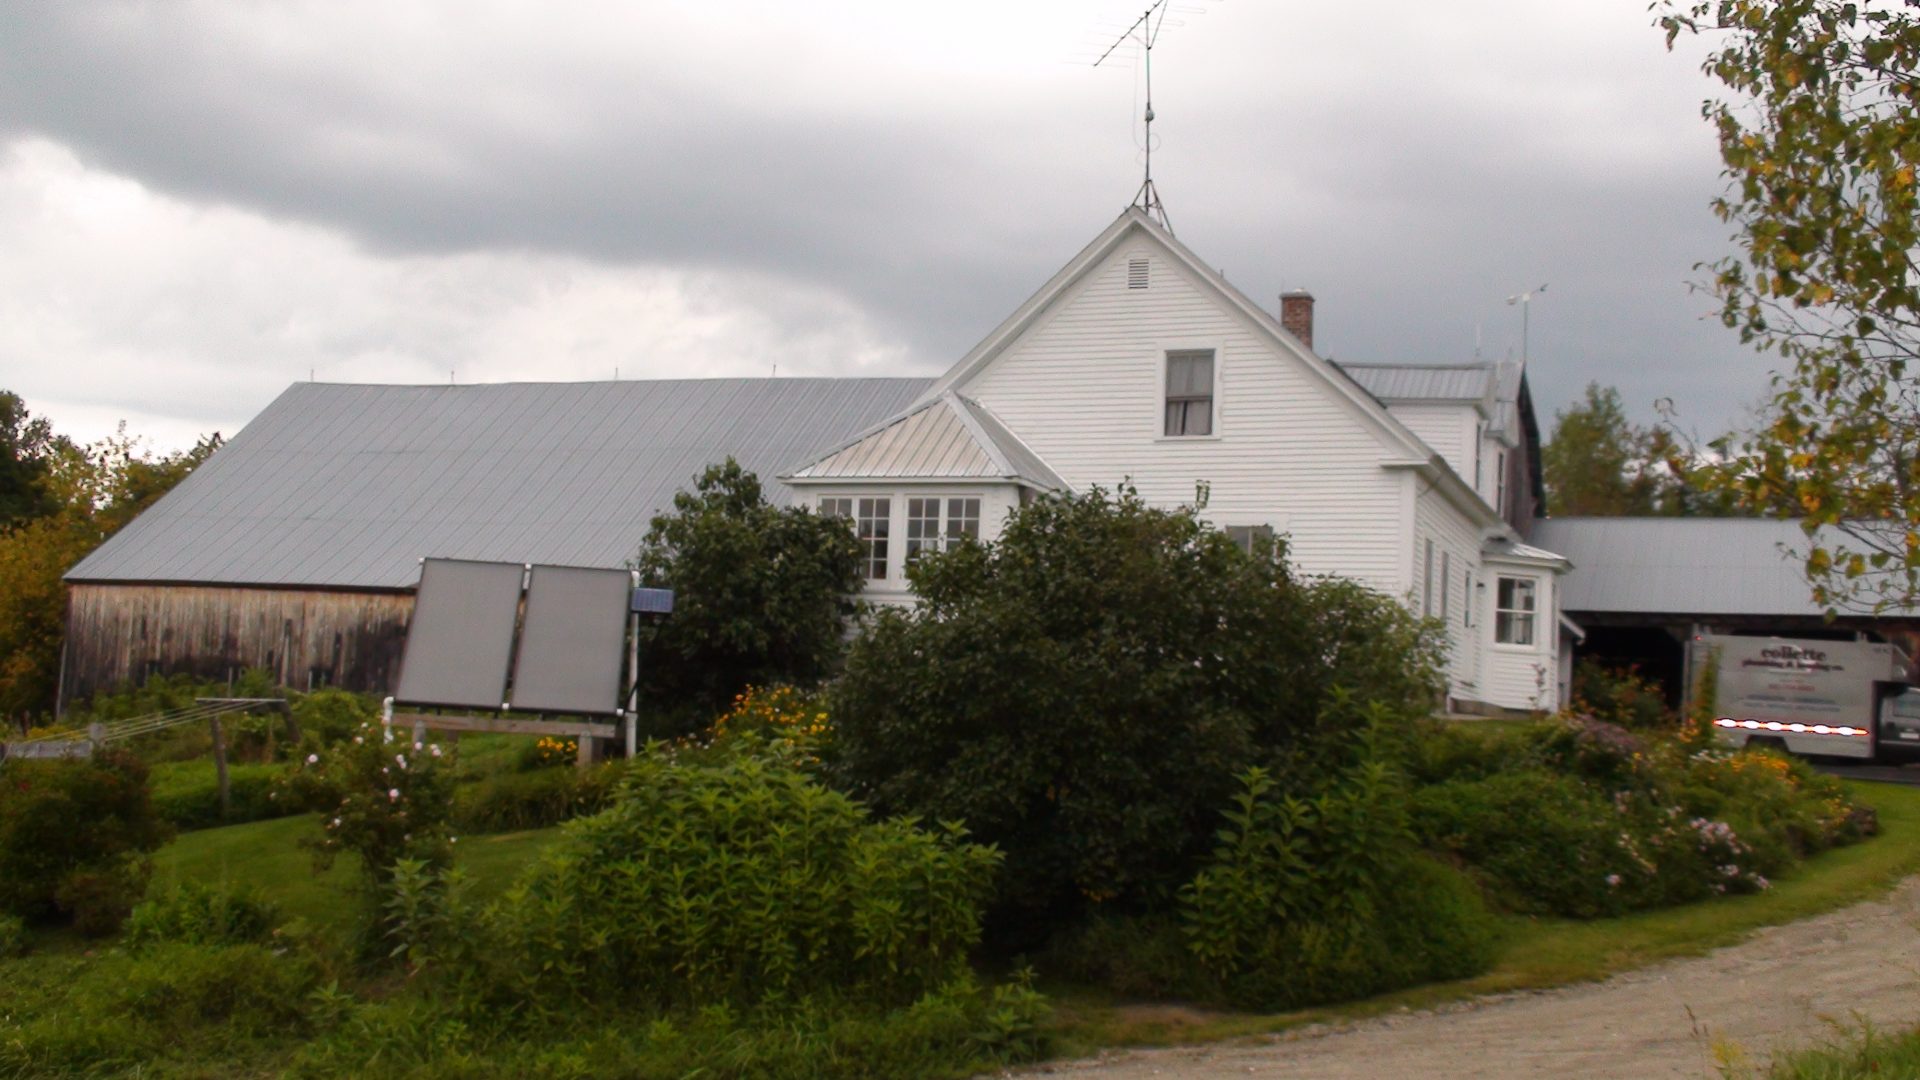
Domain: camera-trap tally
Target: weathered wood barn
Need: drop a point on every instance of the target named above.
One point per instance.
(296, 547)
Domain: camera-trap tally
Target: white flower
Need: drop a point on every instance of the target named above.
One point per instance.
(402, 759)
(334, 824)
(418, 747)
(434, 750)
(1613, 879)
(357, 740)
(313, 759)
(393, 793)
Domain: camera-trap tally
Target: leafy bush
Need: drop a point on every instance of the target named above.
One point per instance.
(75, 825)
(330, 716)
(13, 936)
(1545, 842)
(100, 896)
(741, 880)
(784, 714)
(130, 1011)
(760, 593)
(508, 802)
(1619, 696)
(1079, 692)
(1323, 899)
(186, 794)
(195, 914)
(1781, 807)
(381, 799)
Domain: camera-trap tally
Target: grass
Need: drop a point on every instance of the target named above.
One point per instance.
(1538, 953)
(266, 855)
(1856, 1052)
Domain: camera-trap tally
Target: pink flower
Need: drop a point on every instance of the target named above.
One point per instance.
(393, 793)
(313, 759)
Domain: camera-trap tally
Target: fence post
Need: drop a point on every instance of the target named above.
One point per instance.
(220, 764)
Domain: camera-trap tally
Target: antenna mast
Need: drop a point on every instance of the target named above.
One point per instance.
(1146, 29)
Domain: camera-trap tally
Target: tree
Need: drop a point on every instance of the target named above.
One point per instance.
(26, 444)
(1600, 464)
(1821, 140)
(92, 493)
(1082, 691)
(761, 594)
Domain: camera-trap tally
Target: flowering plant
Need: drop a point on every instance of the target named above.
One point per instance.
(782, 714)
(383, 797)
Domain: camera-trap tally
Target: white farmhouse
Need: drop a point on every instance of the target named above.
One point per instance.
(1138, 364)
(296, 547)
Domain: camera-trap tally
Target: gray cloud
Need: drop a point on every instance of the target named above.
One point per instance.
(1412, 168)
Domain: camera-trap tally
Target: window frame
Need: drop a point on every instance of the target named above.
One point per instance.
(1165, 352)
(1446, 584)
(942, 536)
(1507, 618)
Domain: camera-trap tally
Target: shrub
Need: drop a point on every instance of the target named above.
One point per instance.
(100, 896)
(507, 802)
(13, 936)
(1594, 750)
(742, 881)
(760, 593)
(72, 824)
(330, 716)
(385, 800)
(784, 714)
(134, 1011)
(187, 794)
(1080, 693)
(195, 914)
(1619, 696)
(1545, 842)
(1323, 899)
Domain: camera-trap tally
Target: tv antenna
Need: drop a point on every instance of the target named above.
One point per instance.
(1146, 30)
(1525, 300)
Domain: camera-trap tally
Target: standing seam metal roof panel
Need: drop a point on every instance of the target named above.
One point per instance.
(348, 486)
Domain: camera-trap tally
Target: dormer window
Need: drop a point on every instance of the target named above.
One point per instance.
(1189, 392)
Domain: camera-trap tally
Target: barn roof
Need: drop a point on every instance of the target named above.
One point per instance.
(348, 486)
(1688, 566)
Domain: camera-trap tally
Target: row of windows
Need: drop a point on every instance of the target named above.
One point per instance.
(933, 524)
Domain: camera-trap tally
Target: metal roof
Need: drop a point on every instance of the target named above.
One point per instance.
(1424, 382)
(348, 486)
(1690, 566)
(949, 437)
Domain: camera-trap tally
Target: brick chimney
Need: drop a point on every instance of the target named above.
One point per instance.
(1296, 314)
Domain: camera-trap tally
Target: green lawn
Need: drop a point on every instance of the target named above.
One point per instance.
(1540, 952)
(266, 855)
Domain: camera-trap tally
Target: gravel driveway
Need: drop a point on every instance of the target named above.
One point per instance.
(1779, 988)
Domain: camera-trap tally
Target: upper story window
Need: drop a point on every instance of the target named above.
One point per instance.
(871, 524)
(935, 524)
(1189, 392)
(1514, 613)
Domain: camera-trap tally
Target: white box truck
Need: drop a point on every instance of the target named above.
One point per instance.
(1828, 698)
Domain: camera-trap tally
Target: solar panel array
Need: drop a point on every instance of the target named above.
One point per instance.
(462, 640)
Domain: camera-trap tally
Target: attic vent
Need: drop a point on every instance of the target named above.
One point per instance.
(1136, 273)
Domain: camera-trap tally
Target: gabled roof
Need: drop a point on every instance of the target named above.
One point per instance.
(948, 437)
(1393, 383)
(1134, 222)
(343, 486)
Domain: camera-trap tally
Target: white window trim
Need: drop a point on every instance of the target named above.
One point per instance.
(896, 575)
(1538, 613)
(1500, 483)
(1160, 351)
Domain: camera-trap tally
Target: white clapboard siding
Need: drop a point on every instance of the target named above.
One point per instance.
(1523, 677)
(1458, 539)
(1448, 427)
(1083, 387)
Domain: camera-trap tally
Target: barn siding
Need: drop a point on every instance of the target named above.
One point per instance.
(118, 634)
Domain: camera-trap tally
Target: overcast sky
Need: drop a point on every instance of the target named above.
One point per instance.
(202, 202)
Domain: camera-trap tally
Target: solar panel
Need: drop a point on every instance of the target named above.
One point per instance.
(461, 638)
(571, 645)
